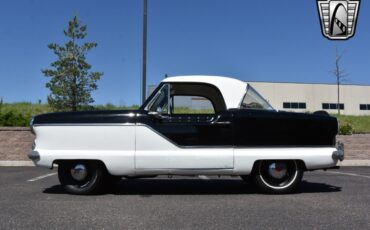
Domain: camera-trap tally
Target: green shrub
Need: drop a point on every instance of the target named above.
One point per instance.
(14, 119)
(345, 129)
(360, 124)
(20, 113)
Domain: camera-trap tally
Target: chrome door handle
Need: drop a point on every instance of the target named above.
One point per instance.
(221, 122)
(156, 115)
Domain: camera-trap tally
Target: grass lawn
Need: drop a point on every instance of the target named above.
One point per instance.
(360, 124)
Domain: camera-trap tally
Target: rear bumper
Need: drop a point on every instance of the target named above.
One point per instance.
(34, 156)
(339, 153)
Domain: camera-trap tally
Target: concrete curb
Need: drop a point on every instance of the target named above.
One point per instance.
(355, 163)
(343, 163)
(16, 163)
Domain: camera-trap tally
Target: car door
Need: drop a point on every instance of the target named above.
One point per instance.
(184, 132)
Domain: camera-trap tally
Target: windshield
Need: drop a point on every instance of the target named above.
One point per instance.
(253, 100)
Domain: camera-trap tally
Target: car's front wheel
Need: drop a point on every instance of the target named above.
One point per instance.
(81, 177)
(277, 176)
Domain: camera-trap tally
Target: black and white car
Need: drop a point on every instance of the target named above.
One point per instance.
(238, 134)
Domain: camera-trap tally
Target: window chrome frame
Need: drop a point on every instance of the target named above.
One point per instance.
(152, 99)
(260, 97)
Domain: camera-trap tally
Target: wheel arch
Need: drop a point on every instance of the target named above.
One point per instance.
(300, 163)
(98, 161)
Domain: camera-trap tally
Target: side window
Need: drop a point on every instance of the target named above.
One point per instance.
(252, 100)
(160, 101)
(191, 105)
(185, 98)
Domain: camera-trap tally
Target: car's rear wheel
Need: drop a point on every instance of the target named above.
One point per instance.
(81, 177)
(277, 176)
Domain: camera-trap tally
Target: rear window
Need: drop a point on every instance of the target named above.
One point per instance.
(253, 100)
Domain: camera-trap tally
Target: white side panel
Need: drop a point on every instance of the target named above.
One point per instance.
(153, 151)
(314, 158)
(115, 146)
(112, 144)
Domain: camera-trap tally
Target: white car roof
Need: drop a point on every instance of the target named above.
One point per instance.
(232, 90)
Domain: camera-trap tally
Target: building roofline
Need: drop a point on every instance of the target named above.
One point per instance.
(306, 83)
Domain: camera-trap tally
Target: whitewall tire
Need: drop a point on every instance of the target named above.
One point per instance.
(81, 177)
(277, 176)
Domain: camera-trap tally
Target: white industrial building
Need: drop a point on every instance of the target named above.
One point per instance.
(306, 97)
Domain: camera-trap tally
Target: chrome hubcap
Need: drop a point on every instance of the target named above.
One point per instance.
(79, 172)
(277, 170)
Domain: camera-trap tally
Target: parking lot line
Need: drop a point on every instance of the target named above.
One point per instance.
(41, 177)
(350, 174)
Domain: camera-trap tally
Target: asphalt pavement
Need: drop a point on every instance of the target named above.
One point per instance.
(31, 198)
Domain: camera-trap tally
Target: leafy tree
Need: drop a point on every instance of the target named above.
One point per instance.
(71, 80)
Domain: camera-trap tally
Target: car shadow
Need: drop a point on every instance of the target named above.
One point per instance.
(148, 187)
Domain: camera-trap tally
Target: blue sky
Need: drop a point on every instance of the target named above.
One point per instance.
(250, 40)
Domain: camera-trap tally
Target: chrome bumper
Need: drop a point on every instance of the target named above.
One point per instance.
(339, 153)
(34, 156)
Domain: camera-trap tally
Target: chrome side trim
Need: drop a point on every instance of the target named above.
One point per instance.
(31, 125)
(85, 124)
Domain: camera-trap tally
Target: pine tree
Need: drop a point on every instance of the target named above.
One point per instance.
(71, 81)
